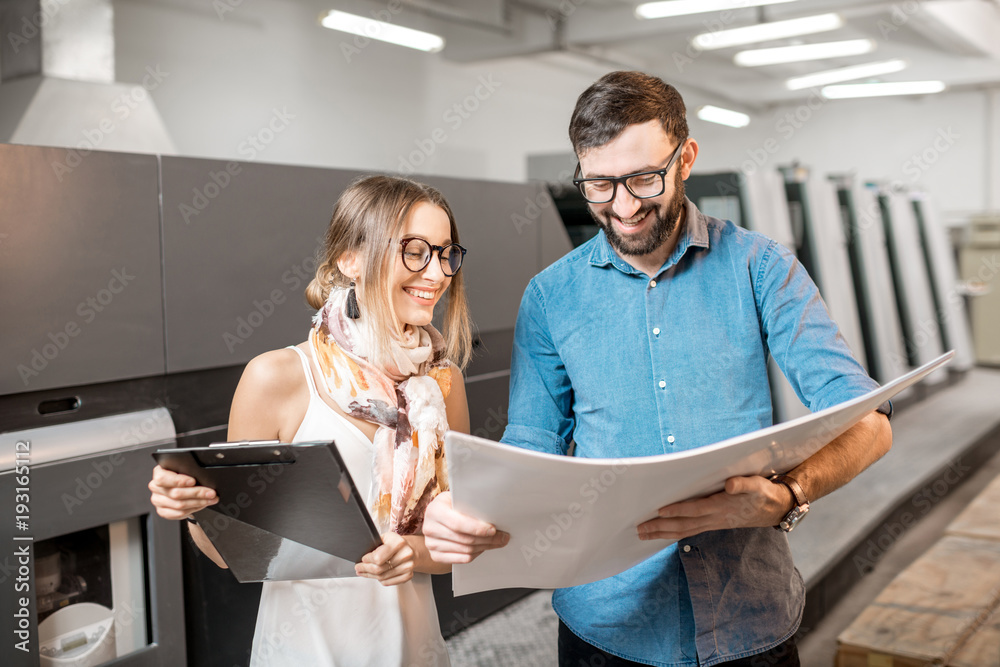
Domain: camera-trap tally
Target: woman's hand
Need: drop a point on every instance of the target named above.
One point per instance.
(177, 496)
(391, 564)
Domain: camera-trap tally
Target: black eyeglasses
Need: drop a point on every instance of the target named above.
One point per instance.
(643, 185)
(417, 255)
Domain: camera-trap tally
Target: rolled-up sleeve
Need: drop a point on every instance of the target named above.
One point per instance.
(540, 415)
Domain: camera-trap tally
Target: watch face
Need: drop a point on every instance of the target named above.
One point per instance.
(792, 518)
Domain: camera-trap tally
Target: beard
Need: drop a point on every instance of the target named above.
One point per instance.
(665, 217)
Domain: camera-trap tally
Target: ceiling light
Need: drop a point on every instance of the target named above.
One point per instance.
(845, 74)
(794, 54)
(762, 32)
(658, 10)
(384, 32)
(847, 90)
(723, 116)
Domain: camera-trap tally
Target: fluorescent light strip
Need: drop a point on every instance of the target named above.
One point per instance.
(384, 32)
(723, 116)
(845, 74)
(850, 90)
(794, 54)
(763, 32)
(659, 10)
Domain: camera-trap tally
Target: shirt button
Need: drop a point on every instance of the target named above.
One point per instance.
(656, 331)
(652, 283)
(670, 438)
(687, 548)
(663, 384)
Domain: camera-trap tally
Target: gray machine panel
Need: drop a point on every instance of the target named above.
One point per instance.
(833, 263)
(949, 304)
(553, 236)
(921, 331)
(500, 224)
(104, 483)
(887, 352)
(240, 244)
(79, 253)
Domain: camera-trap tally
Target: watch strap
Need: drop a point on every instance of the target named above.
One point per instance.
(797, 493)
(886, 409)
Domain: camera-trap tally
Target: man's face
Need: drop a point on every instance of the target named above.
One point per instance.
(637, 226)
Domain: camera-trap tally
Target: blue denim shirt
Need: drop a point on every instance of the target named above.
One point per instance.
(625, 365)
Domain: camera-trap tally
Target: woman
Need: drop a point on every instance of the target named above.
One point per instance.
(375, 376)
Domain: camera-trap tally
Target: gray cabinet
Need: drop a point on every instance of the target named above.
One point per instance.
(80, 284)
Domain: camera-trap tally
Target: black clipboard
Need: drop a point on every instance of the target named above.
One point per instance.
(285, 511)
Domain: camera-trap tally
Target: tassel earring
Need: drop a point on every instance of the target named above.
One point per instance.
(352, 310)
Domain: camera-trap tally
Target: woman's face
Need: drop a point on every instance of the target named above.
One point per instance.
(414, 295)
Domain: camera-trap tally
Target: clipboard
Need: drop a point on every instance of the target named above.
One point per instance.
(285, 511)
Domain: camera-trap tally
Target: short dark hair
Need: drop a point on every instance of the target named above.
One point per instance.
(620, 99)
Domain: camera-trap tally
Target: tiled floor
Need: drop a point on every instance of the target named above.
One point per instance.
(522, 635)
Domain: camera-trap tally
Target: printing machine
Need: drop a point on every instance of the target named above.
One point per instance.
(979, 268)
(917, 314)
(946, 292)
(821, 245)
(869, 258)
(135, 289)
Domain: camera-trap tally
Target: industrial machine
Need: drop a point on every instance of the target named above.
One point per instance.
(872, 277)
(979, 268)
(102, 583)
(946, 292)
(914, 296)
(821, 245)
(136, 288)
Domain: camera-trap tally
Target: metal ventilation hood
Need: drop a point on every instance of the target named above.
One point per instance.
(57, 83)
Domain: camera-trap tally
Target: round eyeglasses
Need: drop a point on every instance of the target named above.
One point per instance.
(642, 185)
(417, 255)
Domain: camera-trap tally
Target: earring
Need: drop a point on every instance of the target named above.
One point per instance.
(352, 310)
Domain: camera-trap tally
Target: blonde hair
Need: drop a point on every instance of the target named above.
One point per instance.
(368, 220)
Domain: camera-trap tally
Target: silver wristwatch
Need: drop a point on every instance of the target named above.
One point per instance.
(801, 504)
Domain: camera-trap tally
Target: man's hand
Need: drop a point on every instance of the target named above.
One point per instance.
(747, 502)
(453, 537)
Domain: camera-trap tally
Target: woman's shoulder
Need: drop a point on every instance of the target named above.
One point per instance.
(457, 378)
(275, 371)
(270, 399)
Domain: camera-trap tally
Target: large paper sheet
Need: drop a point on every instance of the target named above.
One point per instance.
(573, 521)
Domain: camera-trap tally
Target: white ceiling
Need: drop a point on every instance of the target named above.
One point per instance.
(956, 41)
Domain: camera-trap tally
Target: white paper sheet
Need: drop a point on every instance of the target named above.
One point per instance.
(573, 520)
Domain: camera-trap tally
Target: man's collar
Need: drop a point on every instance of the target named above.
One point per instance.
(693, 233)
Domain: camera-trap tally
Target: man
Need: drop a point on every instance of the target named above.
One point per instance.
(653, 337)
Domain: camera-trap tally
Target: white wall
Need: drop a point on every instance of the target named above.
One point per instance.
(386, 108)
(934, 143)
(228, 75)
(527, 113)
(395, 109)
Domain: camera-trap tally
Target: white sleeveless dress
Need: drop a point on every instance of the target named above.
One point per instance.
(352, 621)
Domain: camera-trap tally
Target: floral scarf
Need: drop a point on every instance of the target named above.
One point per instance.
(405, 398)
